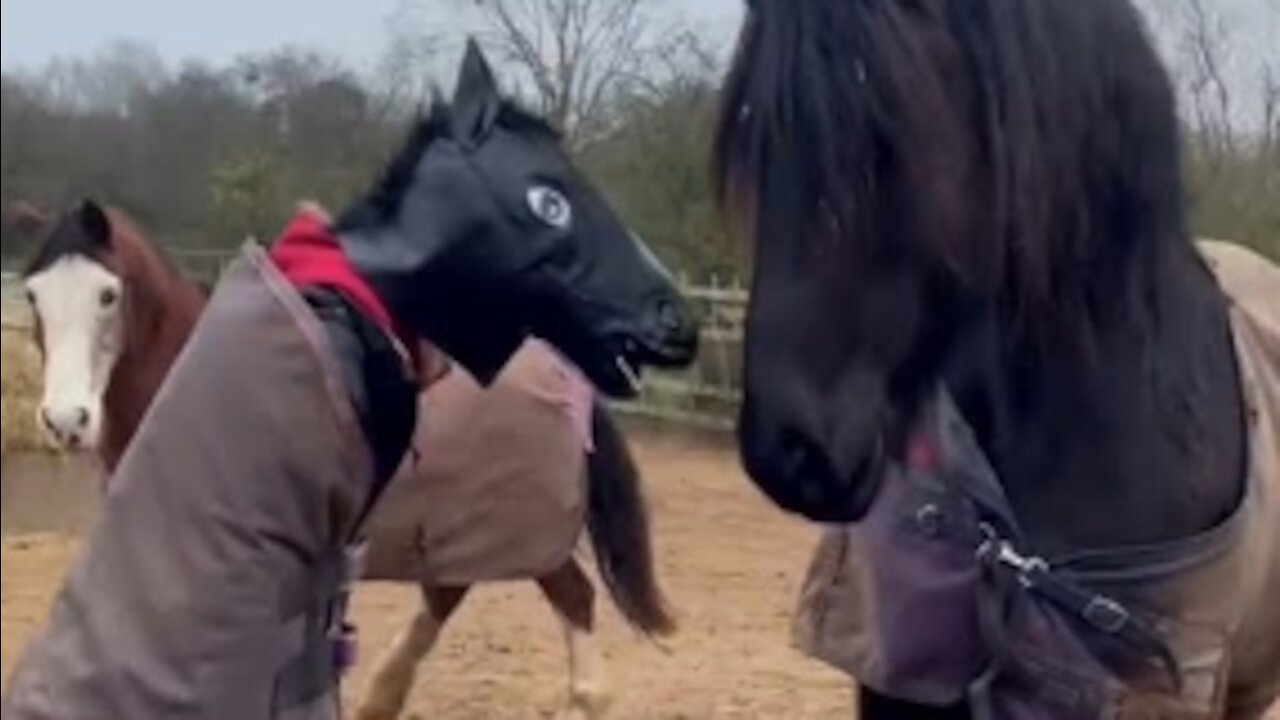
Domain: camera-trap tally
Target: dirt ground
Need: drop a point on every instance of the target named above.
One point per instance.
(730, 564)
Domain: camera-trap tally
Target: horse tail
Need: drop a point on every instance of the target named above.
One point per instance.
(618, 522)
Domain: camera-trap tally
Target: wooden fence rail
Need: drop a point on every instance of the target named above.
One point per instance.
(706, 395)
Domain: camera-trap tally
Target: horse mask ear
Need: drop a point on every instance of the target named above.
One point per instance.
(476, 100)
(95, 223)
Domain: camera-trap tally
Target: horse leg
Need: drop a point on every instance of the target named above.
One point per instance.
(571, 593)
(385, 697)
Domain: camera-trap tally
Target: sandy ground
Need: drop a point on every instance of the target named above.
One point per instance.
(730, 563)
(731, 566)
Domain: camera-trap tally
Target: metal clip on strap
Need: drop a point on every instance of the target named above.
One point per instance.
(1104, 614)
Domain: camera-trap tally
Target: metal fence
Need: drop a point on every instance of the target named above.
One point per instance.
(706, 395)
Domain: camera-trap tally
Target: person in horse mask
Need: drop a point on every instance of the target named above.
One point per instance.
(214, 584)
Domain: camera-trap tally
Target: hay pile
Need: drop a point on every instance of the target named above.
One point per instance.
(20, 386)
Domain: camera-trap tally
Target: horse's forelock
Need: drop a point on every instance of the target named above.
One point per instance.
(1050, 125)
(63, 238)
(827, 105)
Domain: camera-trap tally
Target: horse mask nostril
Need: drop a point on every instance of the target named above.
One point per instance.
(82, 418)
(669, 316)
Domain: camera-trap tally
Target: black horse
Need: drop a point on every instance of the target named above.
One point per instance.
(987, 195)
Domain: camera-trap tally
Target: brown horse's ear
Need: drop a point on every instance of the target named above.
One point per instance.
(94, 221)
(27, 218)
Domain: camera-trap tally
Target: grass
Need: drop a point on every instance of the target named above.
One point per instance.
(20, 387)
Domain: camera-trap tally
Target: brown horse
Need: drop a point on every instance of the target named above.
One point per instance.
(112, 314)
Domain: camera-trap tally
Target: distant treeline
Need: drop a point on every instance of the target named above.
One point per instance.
(205, 156)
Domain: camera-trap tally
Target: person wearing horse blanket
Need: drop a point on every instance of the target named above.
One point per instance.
(215, 582)
(209, 586)
(903, 604)
(231, 493)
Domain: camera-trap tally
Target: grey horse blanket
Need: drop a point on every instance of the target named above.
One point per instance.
(210, 587)
(925, 601)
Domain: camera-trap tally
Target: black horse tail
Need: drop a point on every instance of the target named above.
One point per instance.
(618, 522)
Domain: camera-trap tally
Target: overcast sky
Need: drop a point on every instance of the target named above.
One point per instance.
(35, 31)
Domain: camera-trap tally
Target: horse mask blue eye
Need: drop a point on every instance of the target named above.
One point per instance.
(484, 233)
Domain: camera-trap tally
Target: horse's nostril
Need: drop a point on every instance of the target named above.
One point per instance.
(66, 427)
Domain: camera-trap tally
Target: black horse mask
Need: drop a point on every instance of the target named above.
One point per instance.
(483, 233)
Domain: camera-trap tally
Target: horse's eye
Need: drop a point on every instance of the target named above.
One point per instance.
(551, 207)
(31, 298)
(108, 297)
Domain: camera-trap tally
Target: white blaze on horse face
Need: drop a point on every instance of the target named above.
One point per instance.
(77, 302)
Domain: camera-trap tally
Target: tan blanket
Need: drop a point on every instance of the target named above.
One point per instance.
(1253, 284)
(1238, 592)
(496, 488)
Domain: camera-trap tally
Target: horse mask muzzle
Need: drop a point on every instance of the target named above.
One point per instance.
(478, 281)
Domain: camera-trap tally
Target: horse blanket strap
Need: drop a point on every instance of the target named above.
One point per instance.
(329, 641)
(937, 597)
(983, 523)
(1097, 611)
(342, 633)
(211, 586)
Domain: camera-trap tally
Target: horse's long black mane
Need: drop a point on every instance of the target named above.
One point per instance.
(884, 122)
(383, 199)
(986, 195)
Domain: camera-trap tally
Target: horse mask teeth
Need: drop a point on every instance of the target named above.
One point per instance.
(628, 372)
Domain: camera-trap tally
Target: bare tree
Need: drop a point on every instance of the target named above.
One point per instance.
(114, 82)
(577, 54)
(1204, 41)
(1270, 111)
(1271, 89)
(406, 69)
